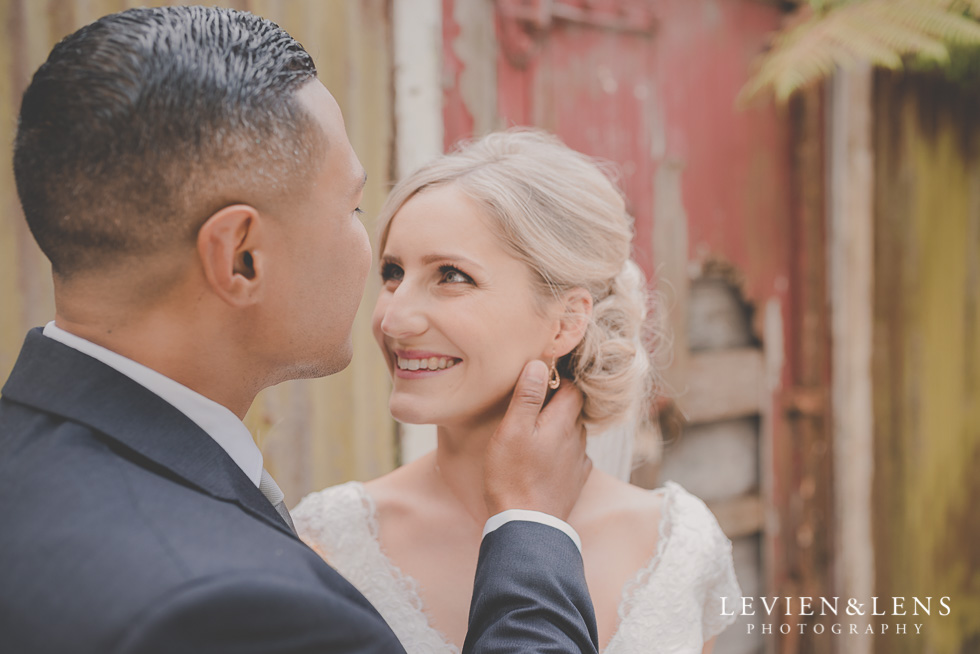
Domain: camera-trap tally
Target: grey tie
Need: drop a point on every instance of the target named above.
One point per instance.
(270, 489)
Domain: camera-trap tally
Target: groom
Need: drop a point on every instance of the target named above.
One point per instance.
(192, 184)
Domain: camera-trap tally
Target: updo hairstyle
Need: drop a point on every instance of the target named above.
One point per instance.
(554, 209)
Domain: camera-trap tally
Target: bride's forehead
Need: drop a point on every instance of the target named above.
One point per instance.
(435, 220)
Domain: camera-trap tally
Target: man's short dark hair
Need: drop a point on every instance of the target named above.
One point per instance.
(142, 124)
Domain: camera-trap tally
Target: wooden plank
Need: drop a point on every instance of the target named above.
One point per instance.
(12, 303)
(733, 444)
(718, 317)
(851, 286)
(669, 244)
(927, 355)
(739, 516)
(475, 47)
(723, 384)
(417, 30)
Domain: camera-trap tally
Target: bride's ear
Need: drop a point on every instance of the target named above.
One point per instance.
(574, 321)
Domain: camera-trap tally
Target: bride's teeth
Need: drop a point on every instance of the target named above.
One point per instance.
(432, 363)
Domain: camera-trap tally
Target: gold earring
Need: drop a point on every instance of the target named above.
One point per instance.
(554, 379)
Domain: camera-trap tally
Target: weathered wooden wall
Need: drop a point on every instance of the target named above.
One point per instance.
(714, 450)
(927, 356)
(313, 433)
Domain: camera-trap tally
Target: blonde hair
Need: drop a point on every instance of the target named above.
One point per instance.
(554, 209)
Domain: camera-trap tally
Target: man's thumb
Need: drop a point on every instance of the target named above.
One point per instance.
(529, 394)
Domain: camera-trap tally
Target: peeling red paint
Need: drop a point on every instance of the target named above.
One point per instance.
(458, 119)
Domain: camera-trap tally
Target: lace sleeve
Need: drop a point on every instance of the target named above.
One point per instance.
(719, 580)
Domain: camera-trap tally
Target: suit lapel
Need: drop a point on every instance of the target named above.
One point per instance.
(55, 378)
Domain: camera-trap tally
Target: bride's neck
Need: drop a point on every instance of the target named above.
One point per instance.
(459, 460)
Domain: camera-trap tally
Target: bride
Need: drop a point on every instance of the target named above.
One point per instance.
(514, 248)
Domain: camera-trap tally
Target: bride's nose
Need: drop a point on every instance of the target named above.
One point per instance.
(404, 314)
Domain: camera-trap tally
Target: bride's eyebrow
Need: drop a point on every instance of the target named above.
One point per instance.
(452, 258)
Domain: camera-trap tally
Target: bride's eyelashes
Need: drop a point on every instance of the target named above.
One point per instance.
(453, 275)
(391, 272)
(448, 274)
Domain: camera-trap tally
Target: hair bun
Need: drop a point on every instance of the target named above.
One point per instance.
(611, 366)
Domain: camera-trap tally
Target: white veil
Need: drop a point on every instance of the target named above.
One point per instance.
(612, 449)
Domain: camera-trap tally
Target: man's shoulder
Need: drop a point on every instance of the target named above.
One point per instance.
(41, 449)
(104, 539)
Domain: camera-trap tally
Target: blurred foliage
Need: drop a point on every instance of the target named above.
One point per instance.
(820, 36)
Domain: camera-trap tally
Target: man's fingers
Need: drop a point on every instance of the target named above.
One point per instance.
(536, 459)
(567, 401)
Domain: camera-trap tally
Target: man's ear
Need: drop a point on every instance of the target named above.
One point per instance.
(574, 321)
(228, 246)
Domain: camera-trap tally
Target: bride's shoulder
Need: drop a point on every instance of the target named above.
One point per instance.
(612, 511)
(611, 504)
(606, 498)
(324, 511)
(690, 517)
(331, 499)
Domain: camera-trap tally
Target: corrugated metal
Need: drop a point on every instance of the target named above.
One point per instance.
(314, 433)
(927, 358)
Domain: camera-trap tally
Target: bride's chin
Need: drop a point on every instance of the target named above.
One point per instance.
(407, 411)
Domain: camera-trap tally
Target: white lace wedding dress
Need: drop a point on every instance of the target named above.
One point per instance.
(673, 604)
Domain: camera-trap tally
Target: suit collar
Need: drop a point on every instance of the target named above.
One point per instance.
(54, 378)
(223, 426)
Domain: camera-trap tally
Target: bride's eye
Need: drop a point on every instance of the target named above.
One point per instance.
(453, 275)
(391, 272)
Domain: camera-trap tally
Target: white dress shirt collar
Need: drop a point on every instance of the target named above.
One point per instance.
(217, 421)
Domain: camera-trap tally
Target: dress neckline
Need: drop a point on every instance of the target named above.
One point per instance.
(410, 586)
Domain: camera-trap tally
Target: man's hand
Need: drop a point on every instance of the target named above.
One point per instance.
(536, 459)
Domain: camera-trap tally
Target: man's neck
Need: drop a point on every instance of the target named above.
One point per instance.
(176, 351)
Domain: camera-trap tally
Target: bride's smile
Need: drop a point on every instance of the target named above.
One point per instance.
(413, 364)
(457, 317)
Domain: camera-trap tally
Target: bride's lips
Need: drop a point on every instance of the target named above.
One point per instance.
(419, 364)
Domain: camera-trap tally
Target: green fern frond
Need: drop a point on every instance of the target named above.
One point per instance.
(952, 6)
(958, 6)
(863, 46)
(951, 27)
(829, 34)
(786, 68)
(898, 38)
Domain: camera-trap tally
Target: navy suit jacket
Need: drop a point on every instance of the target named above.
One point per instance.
(126, 528)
